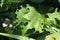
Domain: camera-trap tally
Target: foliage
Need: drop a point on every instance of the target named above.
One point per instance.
(30, 19)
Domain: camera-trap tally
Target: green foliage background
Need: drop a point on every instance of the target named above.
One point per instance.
(30, 19)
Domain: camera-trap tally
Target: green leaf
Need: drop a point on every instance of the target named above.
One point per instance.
(59, 1)
(53, 16)
(15, 0)
(56, 35)
(49, 37)
(20, 14)
(2, 2)
(42, 37)
(16, 36)
(20, 17)
(36, 19)
(37, 1)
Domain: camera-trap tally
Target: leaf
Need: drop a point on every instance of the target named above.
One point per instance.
(2, 2)
(20, 18)
(53, 16)
(42, 37)
(20, 14)
(49, 38)
(55, 36)
(16, 36)
(59, 1)
(36, 19)
(15, 0)
(37, 1)
(51, 29)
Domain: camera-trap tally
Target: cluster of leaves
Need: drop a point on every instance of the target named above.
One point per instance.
(31, 19)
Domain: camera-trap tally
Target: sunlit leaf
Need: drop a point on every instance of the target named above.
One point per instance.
(53, 16)
(16, 36)
(54, 36)
(36, 19)
(49, 38)
(15, 1)
(21, 13)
